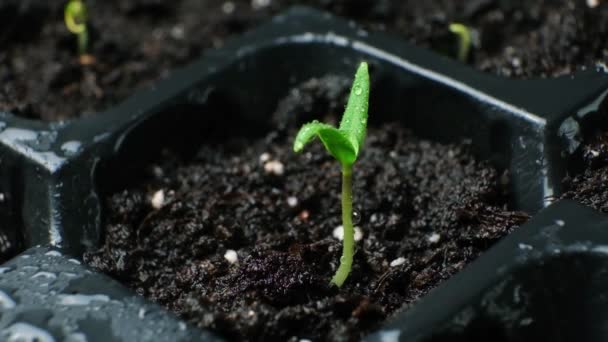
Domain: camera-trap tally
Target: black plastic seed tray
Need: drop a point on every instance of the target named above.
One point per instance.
(546, 281)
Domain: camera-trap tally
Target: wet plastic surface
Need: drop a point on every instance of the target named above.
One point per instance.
(47, 295)
(53, 176)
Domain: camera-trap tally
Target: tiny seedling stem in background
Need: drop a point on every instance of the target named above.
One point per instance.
(75, 16)
(465, 40)
(344, 144)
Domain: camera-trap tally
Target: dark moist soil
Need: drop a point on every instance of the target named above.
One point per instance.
(432, 205)
(137, 42)
(589, 187)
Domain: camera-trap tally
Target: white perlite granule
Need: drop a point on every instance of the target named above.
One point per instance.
(434, 238)
(338, 233)
(398, 262)
(158, 199)
(274, 167)
(231, 256)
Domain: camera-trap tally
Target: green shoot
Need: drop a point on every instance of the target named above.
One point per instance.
(465, 39)
(344, 144)
(75, 16)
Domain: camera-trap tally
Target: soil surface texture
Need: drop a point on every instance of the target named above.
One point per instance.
(137, 42)
(243, 238)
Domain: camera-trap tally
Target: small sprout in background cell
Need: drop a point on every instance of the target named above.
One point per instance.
(344, 144)
(76, 16)
(467, 38)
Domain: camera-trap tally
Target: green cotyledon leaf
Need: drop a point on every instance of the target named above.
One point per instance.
(354, 120)
(336, 143)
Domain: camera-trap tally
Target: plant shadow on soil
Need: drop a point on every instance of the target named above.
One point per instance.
(425, 210)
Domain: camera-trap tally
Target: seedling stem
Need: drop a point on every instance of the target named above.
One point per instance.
(464, 40)
(348, 246)
(344, 144)
(75, 16)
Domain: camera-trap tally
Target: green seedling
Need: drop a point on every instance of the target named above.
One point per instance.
(75, 16)
(344, 144)
(465, 39)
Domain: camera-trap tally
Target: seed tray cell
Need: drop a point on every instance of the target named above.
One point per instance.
(544, 280)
